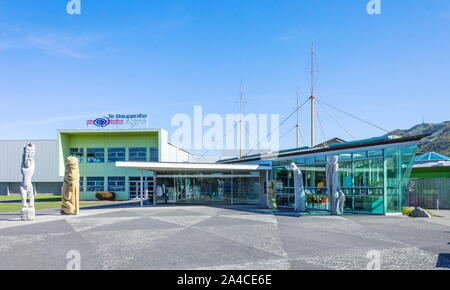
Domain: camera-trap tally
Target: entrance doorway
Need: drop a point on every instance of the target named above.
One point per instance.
(135, 187)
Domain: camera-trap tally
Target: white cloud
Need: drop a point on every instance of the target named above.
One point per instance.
(62, 44)
(54, 120)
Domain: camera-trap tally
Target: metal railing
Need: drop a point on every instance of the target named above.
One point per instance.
(430, 193)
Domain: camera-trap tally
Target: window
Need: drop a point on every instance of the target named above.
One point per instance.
(78, 153)
(321, 159)
(345, 156)
(138, 154)
(116, 154)
(116, 184)
(300, 161)
(374, 153)
(345, 176)
(95, 155)
(359, 155)
(309, 160)
(95, 184)
(154, 155)
(81, 184)
(361, 173)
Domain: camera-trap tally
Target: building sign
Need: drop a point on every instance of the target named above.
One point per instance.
(120, 121)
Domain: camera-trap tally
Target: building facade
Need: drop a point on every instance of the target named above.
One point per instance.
(46, 178)
(97, 151)
(430, 182)
(373, 173)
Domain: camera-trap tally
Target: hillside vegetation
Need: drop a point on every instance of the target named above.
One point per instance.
(438, 141)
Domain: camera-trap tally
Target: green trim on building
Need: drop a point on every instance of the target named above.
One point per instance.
(98, 166)
(431, 172)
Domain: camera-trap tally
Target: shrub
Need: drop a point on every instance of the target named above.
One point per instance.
(407, 211)
(105, 196)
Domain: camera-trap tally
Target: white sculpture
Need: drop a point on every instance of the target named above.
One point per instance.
(26, 187)
(300, 196)
(336, 197)
(221, 189)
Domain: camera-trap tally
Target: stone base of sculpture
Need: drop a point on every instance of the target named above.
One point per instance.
(28, 214)
(420, 213)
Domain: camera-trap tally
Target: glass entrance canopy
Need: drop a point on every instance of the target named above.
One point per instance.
(205, 183)
(200, 187)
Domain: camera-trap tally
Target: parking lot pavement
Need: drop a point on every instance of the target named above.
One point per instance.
(202, 237)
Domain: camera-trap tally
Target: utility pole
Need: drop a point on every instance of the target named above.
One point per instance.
(241, 109)
(297, 126)
(313, 79)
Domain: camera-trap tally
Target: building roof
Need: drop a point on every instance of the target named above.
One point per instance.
(377, 141)
(107, 131)
(432, 156)
(170, 166)
(429, 164)
(335, 140)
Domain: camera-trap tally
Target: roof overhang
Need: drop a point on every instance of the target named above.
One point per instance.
(329, 149)
(186, 167)
(432, 164)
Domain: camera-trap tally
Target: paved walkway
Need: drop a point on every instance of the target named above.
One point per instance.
(442, 213)
(201, 237)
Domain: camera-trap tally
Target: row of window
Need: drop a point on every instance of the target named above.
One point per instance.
(97, 184)
(342, 157)
(97, 155)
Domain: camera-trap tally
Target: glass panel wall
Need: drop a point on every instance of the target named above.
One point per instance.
(316, 184)
(95, 184)
(78, 153)
(285, 187)
(96, 155)
(116, 154)
(116, 184)
(208, 188)
(137, 154)
(398, 165)
(81, 184)
(374, 181)
(154, 155)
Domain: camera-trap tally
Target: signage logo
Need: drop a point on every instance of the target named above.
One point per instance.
(101, 122)
(124, 121)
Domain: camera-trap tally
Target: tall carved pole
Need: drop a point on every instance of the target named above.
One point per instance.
(71, 189)
(26, 187)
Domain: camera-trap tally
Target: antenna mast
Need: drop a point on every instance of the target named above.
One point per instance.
(313, 98)
(297, 126)
(241, 109)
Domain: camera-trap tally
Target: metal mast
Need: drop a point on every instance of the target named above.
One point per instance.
(241, 109)
(313, 80)
(297, 126)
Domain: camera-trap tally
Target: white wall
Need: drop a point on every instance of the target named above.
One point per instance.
(11, 160)
(176, 154)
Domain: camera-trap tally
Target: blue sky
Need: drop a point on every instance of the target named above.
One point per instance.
(164, 57)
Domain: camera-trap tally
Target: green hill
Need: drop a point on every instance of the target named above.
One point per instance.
(438, 141)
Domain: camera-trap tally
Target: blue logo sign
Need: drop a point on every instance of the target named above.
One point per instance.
(120, 121)
(101, 122)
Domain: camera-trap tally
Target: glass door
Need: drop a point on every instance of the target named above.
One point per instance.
(135, 188)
